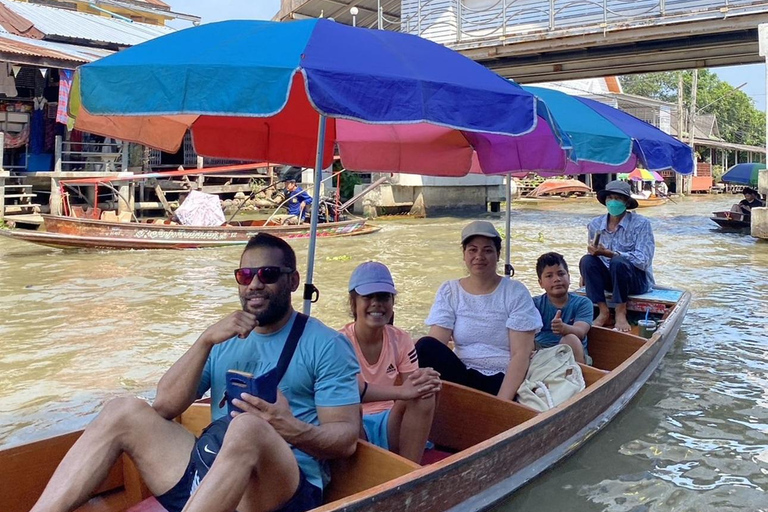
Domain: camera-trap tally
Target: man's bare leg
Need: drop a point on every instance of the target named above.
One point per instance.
(621, 318)
(603, 315)
(160, 449)
(409, 424)
(255, 471)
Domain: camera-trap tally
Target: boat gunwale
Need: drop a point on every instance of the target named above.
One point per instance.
(478, 451)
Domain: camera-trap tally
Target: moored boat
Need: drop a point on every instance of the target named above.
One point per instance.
(73, 232)
(487, 447)
(560, 189)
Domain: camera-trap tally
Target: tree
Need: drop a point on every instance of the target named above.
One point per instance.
(739, 121)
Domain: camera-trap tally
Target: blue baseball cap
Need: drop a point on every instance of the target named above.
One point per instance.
(371, 277)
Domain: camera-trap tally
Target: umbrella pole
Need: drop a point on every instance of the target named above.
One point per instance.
(310, 291)
(508, 270)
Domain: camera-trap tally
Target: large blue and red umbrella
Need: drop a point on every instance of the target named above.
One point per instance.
(284, 92)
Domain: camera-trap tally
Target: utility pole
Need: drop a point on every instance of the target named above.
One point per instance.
(679, 178)
(692, 123)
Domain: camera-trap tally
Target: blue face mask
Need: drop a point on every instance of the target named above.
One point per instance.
(615, 207)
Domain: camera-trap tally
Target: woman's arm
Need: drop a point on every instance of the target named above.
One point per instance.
(440, 333)
(520, 347)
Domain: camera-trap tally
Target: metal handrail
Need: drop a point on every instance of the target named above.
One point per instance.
(464, 21)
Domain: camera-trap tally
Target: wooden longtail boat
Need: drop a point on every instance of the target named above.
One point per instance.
(72, 232)
(731, 220)
(488, 447)
(651, 201)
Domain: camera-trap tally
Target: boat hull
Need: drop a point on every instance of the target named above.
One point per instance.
(493, 461)
(73, 233)
(730, 220)
(651, 202)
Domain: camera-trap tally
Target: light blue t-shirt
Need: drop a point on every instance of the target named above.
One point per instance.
(322, 373)
(577, 309)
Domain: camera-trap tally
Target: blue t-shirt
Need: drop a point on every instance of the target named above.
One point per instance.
(322, 373)
(577, 309)
(298, 196)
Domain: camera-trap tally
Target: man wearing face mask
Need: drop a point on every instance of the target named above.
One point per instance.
(620, 258)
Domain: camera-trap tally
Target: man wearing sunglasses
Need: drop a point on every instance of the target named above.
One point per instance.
(271, 457)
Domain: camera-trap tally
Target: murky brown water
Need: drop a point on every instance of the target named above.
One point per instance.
(79, 328)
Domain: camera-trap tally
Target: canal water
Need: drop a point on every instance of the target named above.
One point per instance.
(77, 329)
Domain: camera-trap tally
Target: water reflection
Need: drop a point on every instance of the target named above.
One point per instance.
(79, 328)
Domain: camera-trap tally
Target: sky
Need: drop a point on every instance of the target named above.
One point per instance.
(216, 10)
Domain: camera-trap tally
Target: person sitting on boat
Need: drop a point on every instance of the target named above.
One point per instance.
(491, 320)
(271, 456)
(751, 200)
(621, 248)
(566, 316)
(395, 417)
(298, 202)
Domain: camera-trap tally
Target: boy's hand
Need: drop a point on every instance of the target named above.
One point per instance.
(557, 324)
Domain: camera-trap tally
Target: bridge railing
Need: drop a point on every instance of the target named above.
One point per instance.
(467, 22)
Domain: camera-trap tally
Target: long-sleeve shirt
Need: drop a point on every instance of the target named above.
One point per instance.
(298, 196)
(632, 239)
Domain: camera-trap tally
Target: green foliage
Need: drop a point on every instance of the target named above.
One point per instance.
(738, 119)
(341, 257)
(348, 181)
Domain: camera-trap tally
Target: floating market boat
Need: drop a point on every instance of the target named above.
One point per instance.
(486, 448)
(730, 220)
(651, 201)
(76, 233)
(560, 189)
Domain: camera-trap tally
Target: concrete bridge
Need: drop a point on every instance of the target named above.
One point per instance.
(549, 40)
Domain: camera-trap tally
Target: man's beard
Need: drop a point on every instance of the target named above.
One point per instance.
(279, 303)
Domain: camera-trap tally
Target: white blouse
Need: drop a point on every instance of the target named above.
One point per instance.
(480, 322)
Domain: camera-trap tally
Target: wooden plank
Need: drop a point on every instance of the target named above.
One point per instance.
(609, 348)
(368, 467)
(196, 418)
(489, 416)
(163, 200)
(591, 374)
(25, 471)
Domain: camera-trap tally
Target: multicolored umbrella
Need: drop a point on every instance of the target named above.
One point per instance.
(606, 139)
(284, 92)
(743, 174)
(641, 174)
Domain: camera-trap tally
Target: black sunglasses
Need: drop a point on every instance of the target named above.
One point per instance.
(267, 275)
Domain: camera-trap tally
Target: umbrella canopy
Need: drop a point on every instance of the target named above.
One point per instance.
(254, 90)
(743, 174)
(606, 139)
(641, 174)
(281, 92)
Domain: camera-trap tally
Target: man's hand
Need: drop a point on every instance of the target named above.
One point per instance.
(239, 323)
(558, 326)
(422, 383)
(600, 250)
(279, 414)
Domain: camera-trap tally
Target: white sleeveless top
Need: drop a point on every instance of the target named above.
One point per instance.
(480, 322)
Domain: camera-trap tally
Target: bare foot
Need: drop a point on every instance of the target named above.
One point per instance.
(622, 325)
(602, 319)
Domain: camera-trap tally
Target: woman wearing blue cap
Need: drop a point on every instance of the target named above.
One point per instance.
(395, 417)
(491, 319)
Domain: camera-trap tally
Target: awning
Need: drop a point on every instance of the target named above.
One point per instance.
(36, 52)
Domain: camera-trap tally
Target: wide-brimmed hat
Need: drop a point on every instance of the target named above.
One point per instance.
(372, 277)
(479, 228)
(750, 190)
(618, 187)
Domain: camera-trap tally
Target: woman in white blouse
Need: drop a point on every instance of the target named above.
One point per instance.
(491, 319)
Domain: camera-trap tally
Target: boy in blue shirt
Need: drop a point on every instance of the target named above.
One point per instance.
(567, 317)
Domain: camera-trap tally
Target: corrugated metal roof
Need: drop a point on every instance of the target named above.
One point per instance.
(17, 45)
(78, 25)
